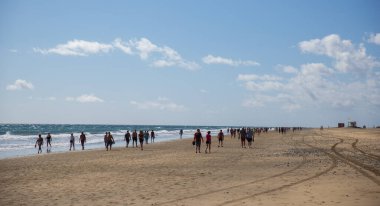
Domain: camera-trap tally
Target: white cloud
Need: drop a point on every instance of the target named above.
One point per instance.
(85, 98)
(374, 38)
(314, 69)
(280, 100)
(144, 47)
(287, 69)
(77, 48)
(210, 59)
(252, 77)
(263, 86)
(347, 56)
(162, 63)
(255, 82)
(314, 85)
(203, 91)
(164, 55)
(161, 103)
(13, 50)
(20, 84)
(118, 43)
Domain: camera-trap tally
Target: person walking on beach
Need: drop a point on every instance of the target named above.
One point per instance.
(220, 138)
(134, 138)
(48, 140)
(242, 137)
(141, 139)
(39, 142)
(110, 141)
(180, 133)
(82, 140)
(72, 141)
(198, 139)
(250, 137)
(152, 136)
(208, 142)
(146, 136)
(127, 138)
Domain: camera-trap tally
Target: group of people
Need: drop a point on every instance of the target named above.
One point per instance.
(246, 135)
(40, 142)
(198, 139)
(82, 140)
(258, 131)
(108, 140)
(143, 135)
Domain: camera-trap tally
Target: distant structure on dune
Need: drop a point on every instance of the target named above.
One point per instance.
(340, 125)
(352, 124)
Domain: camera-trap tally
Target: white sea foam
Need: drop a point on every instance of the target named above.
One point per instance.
(12, 144)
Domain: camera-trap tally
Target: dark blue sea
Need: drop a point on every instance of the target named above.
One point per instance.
(19, 139)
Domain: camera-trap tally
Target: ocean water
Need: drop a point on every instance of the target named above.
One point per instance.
(19, 139)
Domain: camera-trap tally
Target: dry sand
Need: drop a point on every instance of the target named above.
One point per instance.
(311, 167)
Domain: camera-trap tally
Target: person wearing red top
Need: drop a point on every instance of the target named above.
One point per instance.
(208, 142)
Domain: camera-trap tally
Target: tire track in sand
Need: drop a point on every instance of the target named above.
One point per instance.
(358, 166)
(304, 161)
(332, 166)
(372, 156)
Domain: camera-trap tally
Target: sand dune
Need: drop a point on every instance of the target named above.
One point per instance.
(311, 167)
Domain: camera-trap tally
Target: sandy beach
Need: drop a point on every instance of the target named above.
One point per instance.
(309, 167)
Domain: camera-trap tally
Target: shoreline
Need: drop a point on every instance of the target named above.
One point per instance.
(79, 149)
(21, 143)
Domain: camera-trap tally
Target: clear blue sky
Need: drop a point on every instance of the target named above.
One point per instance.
(262, 63)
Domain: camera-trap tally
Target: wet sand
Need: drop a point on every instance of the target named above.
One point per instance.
(309, 167)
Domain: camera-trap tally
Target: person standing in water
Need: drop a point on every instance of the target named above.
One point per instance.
(134, 138)
(220, 138)
(208, 142)
(141, 139)
(180, 133)
(105, 139)
(146, 136)
(72, 141)
(127, 138)
(110, 140)
(152, 136)
(198, 139)
(39, 142)
(82, 139)
(48, 140)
